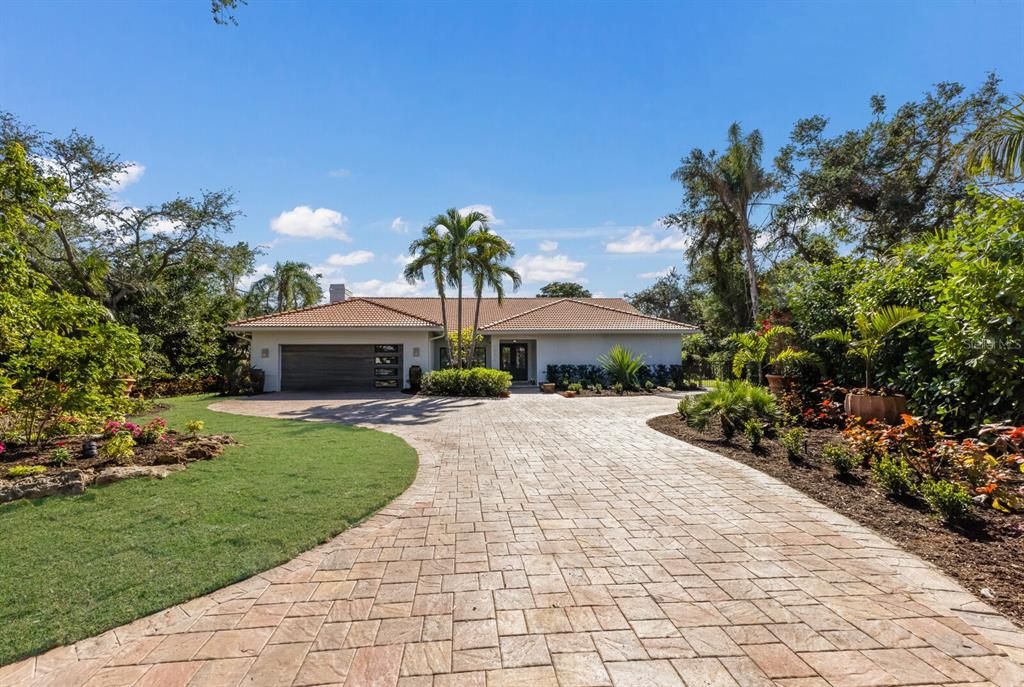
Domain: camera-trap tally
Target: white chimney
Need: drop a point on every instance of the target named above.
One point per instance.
(337, 293)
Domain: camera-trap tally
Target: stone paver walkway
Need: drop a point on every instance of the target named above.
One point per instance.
(550, 541)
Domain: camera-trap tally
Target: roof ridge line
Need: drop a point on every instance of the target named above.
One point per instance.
(370, 299)
(308, 308)
(527, 312)
(634, 314)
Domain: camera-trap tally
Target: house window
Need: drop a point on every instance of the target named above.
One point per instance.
(387, 366)
(479, 357)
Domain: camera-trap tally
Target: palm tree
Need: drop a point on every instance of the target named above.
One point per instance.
(729, 185)
(752, 347)
(291, 285)
(871, 330)
(430, 251)
(999, 149)
(487, 270)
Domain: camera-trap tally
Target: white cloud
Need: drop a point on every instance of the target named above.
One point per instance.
(399, 225)
(655, 275)
(259, 272)
(549, 246)
(545, 268)
(132, 172)
(485, 210)
(377, 287)
(402, 259)
(642, 241)
(359, 257)
(305, 222)
(340, 173)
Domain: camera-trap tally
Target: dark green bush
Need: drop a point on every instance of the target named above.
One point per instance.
(753, 429)
(732, 403)
(476, 381)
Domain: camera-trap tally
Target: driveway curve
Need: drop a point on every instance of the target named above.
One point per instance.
(552, 541)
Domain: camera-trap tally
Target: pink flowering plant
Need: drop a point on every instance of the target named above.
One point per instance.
(115, 427)
(154, 431)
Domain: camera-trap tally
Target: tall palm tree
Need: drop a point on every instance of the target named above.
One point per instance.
(291, 285)
(999, 149)
(730, 184)
(430, 251)
(487, 269)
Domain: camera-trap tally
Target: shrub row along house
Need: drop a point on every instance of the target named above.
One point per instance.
(363, 343)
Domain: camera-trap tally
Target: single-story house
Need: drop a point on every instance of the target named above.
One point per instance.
(362, 343)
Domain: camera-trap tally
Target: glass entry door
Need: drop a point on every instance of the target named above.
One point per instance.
(514, 359)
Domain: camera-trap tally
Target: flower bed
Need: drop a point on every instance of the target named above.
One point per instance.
(983, 550)
(67, 464)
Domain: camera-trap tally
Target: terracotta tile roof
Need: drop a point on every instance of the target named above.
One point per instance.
(354, 312)
(583, 314)
(514, 314)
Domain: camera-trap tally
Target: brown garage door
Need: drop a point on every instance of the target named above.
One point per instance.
(348, 367)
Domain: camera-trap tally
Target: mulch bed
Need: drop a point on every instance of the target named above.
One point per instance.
(145, 454)
(985, 556)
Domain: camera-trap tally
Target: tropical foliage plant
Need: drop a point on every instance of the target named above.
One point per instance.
(871, 330)
(731, 404)
(622, 366)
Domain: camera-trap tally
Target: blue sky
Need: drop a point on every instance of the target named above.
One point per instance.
(356, 122)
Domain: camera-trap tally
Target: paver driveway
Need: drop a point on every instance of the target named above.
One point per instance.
(549, 541)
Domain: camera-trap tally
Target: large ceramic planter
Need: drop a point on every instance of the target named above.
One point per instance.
(886, 408)
(548, 388)
(780, 384)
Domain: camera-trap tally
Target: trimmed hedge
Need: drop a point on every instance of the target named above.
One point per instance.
(474, 381)
(660, 375)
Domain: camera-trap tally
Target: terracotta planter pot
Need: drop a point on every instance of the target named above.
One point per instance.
(780, 384)
(569, 394)
(129, 383)
(547, 388)
(887, 408)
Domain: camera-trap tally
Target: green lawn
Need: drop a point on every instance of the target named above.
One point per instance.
(72, 567)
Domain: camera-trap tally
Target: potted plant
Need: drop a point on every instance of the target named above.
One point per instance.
(865, 343)
(752, 348)
(788, 365)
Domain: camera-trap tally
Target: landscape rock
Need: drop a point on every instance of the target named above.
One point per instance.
(47, 484)
(132, 471)
(205, 448)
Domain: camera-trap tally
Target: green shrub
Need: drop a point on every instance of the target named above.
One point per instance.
(753, 429)
(618, 388)
(26, 470)
(793, 441)
(575, 387)
(841, 458)
(194, 427)
(732, 403)
(684, 405)
(120, 448)
(61, 455)
(153, 431)
(622, 366)
(894, 475)
(950, 500)
(649, 385)
(477, 381)
(598, 388)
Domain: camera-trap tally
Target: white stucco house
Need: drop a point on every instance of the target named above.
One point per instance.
(363, 343)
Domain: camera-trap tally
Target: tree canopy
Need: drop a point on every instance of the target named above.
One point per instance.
(563, 289)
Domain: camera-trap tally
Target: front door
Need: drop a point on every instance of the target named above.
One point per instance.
(514, 360)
